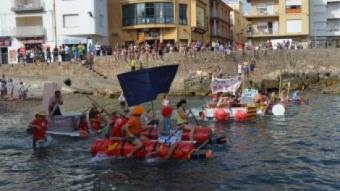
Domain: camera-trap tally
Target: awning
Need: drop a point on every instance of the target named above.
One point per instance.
(293, 2)
(73, 40)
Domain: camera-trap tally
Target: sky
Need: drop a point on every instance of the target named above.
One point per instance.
(246, 6)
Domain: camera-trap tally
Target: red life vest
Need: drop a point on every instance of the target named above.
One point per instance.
(39, 133)
(116, 127)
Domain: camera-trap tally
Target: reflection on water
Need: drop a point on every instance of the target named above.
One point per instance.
(298, 151)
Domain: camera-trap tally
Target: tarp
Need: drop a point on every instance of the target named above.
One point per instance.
(48, 93)
(144, 85)
(225, 85)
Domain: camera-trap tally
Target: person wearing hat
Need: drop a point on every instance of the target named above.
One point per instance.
(132, 130)
(38, 127)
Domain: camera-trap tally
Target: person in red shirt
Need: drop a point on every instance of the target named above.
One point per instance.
(83, 127)
(38, 127)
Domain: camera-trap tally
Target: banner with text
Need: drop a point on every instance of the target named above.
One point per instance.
(225, 85)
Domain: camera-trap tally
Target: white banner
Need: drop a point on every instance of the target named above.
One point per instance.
(225, 85)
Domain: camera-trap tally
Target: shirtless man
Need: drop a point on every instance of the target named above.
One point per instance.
(54, 102)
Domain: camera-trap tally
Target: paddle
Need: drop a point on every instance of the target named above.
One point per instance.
(68, 83)
(196, 121)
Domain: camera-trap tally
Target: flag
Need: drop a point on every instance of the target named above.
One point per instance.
(225, 85)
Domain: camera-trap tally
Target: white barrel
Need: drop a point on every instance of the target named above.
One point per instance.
(278, 109)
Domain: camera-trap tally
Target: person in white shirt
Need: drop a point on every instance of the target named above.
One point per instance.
(22, 92)
(10, 87)
(166, 102)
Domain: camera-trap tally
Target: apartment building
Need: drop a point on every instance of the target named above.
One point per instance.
(220, 23)
(278, 20)
(25, 23)
(159, 21)
(325, 22)
(37, 24)
(82, 21)
(238, 21)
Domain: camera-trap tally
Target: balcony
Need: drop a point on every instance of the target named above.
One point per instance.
(221, 17)
(262, 33)
(27, 6)
(220, 34)
(5, 32)
(28, 31)
(262, 14)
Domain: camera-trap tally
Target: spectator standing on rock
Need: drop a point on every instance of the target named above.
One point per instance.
(97, 46)
(3, 88)
(133, 63)
(10, 87)
(22, 92)
(252, 64)
(48, 55)
(55, 54)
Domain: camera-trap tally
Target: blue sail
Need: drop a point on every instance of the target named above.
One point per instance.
(144, 85)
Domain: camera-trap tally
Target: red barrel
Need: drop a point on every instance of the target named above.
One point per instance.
(200, 134)
(183, 151)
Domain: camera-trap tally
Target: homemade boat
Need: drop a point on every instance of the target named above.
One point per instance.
(120, 148)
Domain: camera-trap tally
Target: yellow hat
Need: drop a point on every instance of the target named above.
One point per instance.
(138, 110)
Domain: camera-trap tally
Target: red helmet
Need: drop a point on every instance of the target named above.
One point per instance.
(166, 111)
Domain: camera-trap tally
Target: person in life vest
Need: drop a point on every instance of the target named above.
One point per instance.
(54, 102)
(182, 119)
(165, 135)
(83, 127)
(133, 129)
(38, 128)
(96, 119)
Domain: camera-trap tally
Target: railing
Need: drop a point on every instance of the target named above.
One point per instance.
(27, 5)
(263, 13)
(266, 32)
(147, 20)
(220, 16)
(29, 31)
(5, 32)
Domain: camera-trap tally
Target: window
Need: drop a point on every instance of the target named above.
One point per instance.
(294, 26)
(183, 17)
(200, 15)
(71, 20)
(293, 6)
(148, 13)
(333, 25)
(101, 21)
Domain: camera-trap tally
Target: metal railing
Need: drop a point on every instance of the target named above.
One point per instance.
(27, 5)
(265, 32)
(28, 31)
(148, 20)
(5, 32)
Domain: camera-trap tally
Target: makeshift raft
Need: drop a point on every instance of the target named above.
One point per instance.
(120, 148)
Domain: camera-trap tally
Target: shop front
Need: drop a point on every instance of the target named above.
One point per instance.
(32, 49)
(4, 44)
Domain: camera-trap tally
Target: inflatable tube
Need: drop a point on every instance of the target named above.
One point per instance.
(121, 148)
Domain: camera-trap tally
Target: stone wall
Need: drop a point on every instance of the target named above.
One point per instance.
(316, 66)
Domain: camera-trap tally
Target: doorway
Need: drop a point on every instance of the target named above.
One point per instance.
(3, 55)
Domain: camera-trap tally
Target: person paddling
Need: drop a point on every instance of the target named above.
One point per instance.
(133, 129)
(54, 102)
(165, 136)
(182, 119)
(38, 128)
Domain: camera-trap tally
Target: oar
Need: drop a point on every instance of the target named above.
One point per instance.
(196, 121)
(68, 83)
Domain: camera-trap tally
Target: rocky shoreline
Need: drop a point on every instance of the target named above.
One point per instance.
(302, 68)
